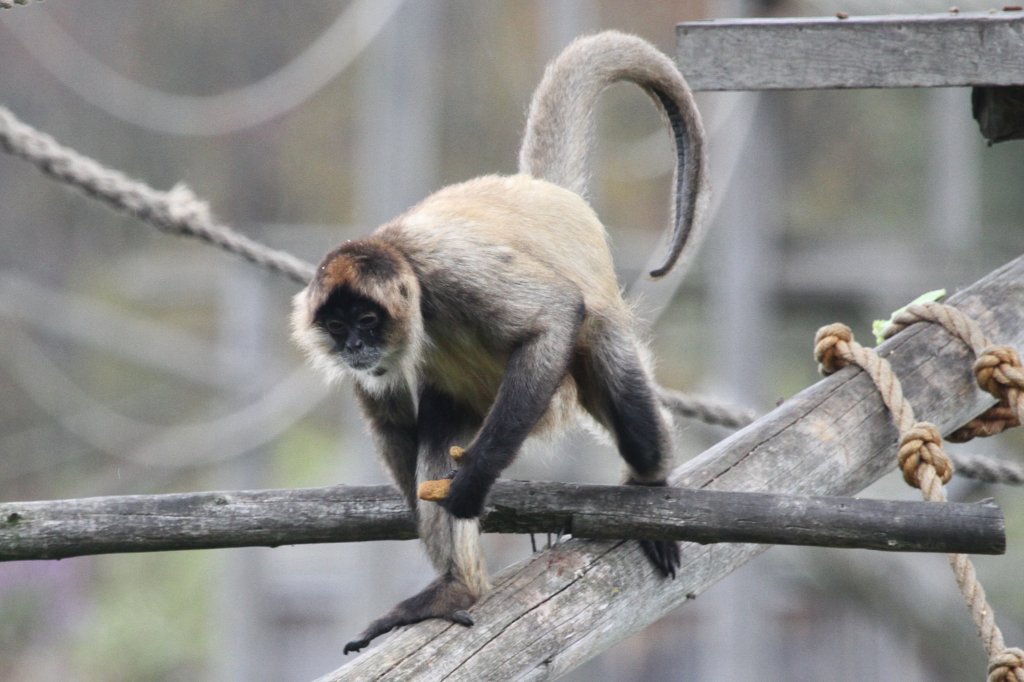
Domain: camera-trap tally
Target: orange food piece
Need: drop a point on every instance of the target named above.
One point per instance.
(434, 491)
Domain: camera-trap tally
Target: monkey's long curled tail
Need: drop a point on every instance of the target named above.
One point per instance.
(560, 124)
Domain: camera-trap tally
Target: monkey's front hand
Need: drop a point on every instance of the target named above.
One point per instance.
(463, 491)
(467, 493)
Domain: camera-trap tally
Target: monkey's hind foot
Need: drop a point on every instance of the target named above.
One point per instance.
(446, 598)
(664, 554)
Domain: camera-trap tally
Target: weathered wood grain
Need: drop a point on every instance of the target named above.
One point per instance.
(935, 50)
(143, 523)
(559, 608)
(59, 529)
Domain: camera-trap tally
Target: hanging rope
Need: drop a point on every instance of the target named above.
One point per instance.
(177, 211)
(921, 456)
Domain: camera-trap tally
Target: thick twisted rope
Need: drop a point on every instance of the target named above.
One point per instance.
(177, 211)
(921, 457)
(997, 368)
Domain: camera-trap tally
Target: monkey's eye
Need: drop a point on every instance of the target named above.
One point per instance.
(335, 326)
(367, 320)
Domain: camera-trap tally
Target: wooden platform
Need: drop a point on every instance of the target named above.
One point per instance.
(932, 50)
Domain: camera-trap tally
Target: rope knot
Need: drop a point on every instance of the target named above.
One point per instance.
(998, 370)
(832, 347)
(1006, 666)
(922, 444)
(184, 208)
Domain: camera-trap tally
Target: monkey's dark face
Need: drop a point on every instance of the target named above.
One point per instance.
(357, 326)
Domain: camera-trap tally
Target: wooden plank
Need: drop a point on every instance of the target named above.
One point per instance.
(932, 50)
(56, 529)
(561, 607)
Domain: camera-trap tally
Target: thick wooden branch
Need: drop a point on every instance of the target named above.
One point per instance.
(931, 50)
(144, 523)
(559, 608)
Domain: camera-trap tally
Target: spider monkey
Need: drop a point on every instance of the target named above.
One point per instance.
(490, 311)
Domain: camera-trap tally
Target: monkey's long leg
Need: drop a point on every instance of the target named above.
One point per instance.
(619, 392)
(453, 545)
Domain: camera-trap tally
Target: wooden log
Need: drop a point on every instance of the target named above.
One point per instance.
(557, 609)
(932, 50)
(712, 516)
(145, 523)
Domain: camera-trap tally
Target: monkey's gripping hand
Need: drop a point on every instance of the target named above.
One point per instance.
(463, 491)
(467, 493)
(462, 494)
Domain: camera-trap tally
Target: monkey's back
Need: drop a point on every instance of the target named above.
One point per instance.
(515, 228)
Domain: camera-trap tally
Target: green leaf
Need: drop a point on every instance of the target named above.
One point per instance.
(878, 326)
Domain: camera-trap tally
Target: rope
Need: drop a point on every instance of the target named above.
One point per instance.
(705, 409)
(921, 456)
(993, 421)
(9, 4)
(998, 368)
(178, 211)
(988, 469)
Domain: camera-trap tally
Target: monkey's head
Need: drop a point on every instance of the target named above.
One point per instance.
(360, 314)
